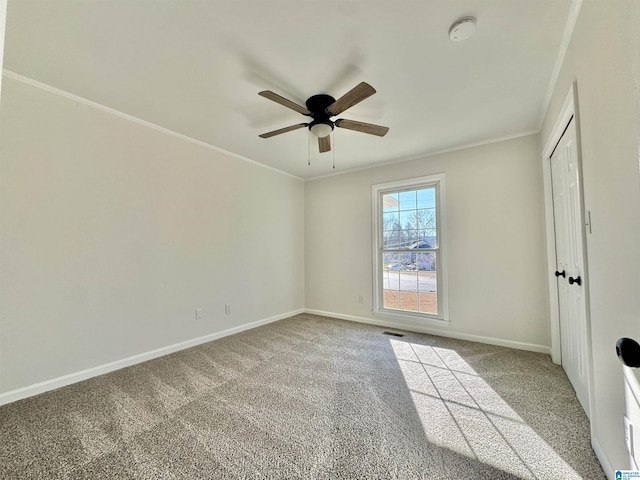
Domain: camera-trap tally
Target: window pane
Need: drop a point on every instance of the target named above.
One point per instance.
(390, 220)
(427, 198)
(428, 303)
(392, 264)
(408, 219)
(427, 283)
(401, 290)
(391, 280)
(404, 260)
(427, 239)
(408, 200)
(391, 299)
(412, 238)
(392, 261)
(409, 291)
(405, 240)
(386, 239)
(409, 301)
(394, 239)
(409, 281)
(390, 202)
(426, 261)
(423, 242)
(426, 218)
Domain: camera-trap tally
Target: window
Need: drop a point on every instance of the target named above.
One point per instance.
(409, 252)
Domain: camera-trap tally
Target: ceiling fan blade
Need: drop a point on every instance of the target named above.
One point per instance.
(283, 130)
(324, 144)
(355, 95)
(274, 97)
(362, 127)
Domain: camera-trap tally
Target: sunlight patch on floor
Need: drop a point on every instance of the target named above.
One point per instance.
(461, 412)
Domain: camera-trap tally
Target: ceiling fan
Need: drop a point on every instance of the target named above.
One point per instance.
(321, 108)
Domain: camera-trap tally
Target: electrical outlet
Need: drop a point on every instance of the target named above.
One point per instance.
(361, 299)
(227, 308)
(198, 313)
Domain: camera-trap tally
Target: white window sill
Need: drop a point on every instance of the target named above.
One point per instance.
(417, 319)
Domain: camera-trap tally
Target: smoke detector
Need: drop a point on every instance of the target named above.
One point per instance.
(462, 29)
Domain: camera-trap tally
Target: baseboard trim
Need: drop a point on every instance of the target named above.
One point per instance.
(532, 347)
(603, 459)
(48, 385)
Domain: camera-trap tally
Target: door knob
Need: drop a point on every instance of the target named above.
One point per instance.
(562, 274)
(628, 352)
(575, 280)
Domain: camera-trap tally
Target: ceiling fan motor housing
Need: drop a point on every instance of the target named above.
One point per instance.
(317, 105)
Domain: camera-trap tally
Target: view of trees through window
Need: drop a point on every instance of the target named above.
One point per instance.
(409, 250)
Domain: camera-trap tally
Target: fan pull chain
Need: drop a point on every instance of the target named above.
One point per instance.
(333, 150)
(309, 149)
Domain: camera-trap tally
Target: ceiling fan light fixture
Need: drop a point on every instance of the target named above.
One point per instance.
(321, 129)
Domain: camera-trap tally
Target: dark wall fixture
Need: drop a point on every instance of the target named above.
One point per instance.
(628, 352)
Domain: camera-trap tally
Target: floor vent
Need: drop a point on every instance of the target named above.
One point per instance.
(393, 334)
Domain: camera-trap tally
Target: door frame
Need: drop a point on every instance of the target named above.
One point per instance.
(569, 109)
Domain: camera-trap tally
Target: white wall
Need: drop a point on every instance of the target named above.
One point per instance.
(113, 233)
(600, 58)
(495, 240)
(3, 19)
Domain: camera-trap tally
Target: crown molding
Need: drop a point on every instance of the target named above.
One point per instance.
(426, 155)
(572, 18)
(76, 98)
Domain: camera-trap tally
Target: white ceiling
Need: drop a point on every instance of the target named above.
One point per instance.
(196, 67)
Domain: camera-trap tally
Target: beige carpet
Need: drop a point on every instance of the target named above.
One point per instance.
(309, 397)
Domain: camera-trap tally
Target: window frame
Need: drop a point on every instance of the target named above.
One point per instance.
(378, 190)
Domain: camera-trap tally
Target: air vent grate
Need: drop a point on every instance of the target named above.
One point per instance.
(393, 334)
